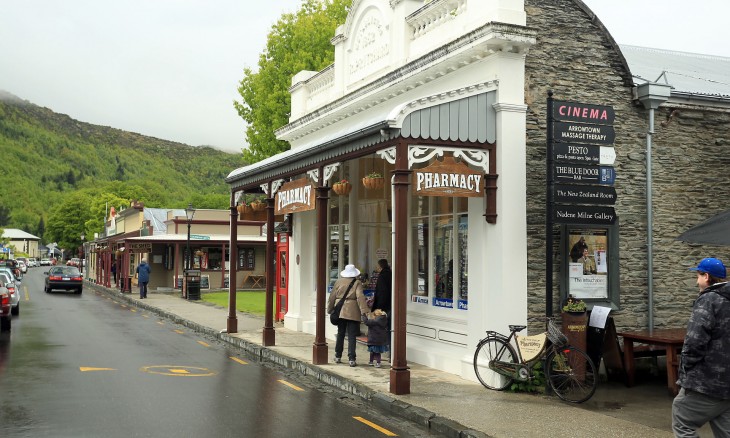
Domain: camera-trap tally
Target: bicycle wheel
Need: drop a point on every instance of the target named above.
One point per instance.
(571, 374)
(488, 353)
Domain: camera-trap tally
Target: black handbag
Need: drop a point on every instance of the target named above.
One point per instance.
(335, 315)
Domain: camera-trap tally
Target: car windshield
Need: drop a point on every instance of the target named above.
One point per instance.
(68, 271)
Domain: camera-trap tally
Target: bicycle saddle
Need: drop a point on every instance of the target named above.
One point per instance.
(517, 328)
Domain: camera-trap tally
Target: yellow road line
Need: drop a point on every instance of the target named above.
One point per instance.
(160, 323)
(241, 361)
(290, 385)
(133, 310)
(95, 369)
(203, 344)
(383, 430)
(27, 295)
(145, 316)
(179, 331)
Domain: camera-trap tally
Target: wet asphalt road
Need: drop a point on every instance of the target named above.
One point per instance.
(88, 366)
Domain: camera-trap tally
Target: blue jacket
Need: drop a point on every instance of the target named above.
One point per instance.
(143, 272)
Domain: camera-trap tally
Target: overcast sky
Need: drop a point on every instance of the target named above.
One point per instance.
(170, 68)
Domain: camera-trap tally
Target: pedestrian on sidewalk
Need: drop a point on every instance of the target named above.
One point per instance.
(353, 310)
(704, 370)
(377, 323)
(143, 277)
(114, 271)
(384, 292)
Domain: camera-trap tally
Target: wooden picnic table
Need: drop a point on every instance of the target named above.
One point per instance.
(670, 339)
(257, 281)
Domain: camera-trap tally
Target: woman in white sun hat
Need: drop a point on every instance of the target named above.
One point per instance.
(352, 312)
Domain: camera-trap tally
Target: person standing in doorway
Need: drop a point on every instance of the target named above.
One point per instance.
(704, 367)
(143, 277)
(353, 311)
(384, 293)
(114, 271)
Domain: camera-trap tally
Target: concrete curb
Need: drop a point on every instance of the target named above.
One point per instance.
(382, 401)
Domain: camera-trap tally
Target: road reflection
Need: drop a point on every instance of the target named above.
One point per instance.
(4, 350)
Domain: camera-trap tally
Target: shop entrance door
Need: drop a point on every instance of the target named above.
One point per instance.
(282, 275)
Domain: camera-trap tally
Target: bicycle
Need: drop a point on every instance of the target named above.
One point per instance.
(570, 373)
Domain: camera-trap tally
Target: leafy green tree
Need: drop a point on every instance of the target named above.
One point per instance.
(297, 42)
(4, 215)
(41, 228)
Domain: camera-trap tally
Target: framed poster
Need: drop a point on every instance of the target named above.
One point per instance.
(590, 264)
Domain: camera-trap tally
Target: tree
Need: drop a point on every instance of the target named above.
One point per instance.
(41, 227)
(4, 215)
(297, 42)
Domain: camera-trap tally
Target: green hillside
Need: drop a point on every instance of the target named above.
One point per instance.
(50, 159)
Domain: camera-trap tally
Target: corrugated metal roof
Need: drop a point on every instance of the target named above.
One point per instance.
(16, 234)
(692, 73)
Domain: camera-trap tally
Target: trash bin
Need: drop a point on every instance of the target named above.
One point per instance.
(192, 281)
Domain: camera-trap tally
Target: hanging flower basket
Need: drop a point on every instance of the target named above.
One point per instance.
(244, 209)
(373, 181)
(342, 188)
(258, 205)
(199, 253)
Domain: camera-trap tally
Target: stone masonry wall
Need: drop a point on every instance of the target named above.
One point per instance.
(577, 59)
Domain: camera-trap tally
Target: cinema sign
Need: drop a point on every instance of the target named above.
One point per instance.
(448, 178)
(294, 196)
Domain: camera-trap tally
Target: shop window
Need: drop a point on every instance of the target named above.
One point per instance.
(439, 245)
(215, 258)
(247, 259)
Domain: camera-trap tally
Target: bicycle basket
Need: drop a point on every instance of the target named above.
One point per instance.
(555, 335)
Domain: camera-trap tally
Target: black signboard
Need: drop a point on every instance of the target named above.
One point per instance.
(567, 132)
(574, 194)
(584, 174)
(583, 112)
(584, 214)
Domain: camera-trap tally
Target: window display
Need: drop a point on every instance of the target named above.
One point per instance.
(439, 245)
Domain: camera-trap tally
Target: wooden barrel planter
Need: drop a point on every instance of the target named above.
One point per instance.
(373, 183)
(342, 188)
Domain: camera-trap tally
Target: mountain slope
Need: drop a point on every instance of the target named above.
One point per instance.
(45, 154)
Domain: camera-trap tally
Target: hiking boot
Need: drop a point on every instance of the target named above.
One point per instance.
(352, 363)
(338, 360)
(377, 364)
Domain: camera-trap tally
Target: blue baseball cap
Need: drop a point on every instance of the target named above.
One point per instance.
(711, 266)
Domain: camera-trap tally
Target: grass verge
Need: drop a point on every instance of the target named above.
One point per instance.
(253, 302)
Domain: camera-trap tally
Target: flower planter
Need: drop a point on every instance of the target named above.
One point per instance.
(258, 206)
(244, 209)
(373, 183)
(342, 188)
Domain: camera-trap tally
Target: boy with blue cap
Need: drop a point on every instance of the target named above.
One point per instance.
(704, 370)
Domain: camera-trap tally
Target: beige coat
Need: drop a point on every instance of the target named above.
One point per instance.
(355, 305)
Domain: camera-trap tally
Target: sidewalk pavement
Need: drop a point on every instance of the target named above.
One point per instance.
(443, 402)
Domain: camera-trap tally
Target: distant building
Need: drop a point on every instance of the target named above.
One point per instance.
(22, 242)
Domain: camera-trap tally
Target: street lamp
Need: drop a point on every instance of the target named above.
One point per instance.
(83, 252)
(189, 213)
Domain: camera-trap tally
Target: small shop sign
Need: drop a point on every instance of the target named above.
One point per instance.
(138, 247)
(295, 196)
(448, 178)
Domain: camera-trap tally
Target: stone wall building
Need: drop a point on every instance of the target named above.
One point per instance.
(419, 84)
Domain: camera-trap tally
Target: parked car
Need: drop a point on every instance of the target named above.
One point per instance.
(74, 262)
(65, 278)
(45, 262)
(22, 266)
(9, 283)
(32, 262)
(4, 309)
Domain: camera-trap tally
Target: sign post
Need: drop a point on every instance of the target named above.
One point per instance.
(580, 175)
